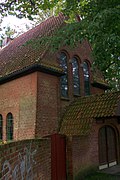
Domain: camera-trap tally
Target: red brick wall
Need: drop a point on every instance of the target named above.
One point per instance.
(26, 159)
(95, 90)
(69, 158)
(82, 52)
(47, 104)
(85, 149)
(19, 98)
(38, 96)
(85, 153)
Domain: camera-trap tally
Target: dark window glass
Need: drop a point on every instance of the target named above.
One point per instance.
(9, 126)
(76, 79)
(1, 127)
(86, 78)
(64, 78)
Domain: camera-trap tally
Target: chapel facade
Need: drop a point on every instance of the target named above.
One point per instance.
(42, 93)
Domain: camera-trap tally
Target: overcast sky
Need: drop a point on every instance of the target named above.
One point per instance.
(15, 23)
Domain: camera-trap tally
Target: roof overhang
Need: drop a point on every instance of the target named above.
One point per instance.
(118, 109)
(29, 70)
(100, 85)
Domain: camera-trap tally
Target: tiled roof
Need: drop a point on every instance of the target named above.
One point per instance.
(15, 56)
(80, 115)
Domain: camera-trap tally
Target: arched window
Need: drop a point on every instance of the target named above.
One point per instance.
(76, 79)
(86, 78)
(9, 127)
(1, 127)
(64, 78)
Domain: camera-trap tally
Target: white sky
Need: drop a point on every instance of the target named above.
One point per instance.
(15, 23)
(12, 20)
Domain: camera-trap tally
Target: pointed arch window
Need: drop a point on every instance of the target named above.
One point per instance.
(86, 78)
(1, 127)
(76, 79)
(64, 78)
(9, 126)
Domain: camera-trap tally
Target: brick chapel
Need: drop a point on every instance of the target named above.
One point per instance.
(42, 93)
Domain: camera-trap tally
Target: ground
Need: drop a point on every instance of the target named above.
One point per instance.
(112, 173)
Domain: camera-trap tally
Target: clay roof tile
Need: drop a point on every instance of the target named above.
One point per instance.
(80, 115)
(16, 56)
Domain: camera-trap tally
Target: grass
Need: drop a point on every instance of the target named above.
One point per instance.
(95, 175)
(101, 176)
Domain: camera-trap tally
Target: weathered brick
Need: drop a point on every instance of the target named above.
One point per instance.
(32, 159)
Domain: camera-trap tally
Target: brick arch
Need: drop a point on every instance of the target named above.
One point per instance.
(89, 67)
(75, 68)
(78, 58)
(63, 51)
(64, 85)
(88, 62)
(9, 126)
(87, 81)
(1, 127)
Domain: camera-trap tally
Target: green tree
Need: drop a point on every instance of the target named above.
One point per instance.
(99, 23)
(7, 33)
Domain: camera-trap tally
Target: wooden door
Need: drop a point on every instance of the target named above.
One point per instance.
(111, 143)
(58, 157)
(107, 147)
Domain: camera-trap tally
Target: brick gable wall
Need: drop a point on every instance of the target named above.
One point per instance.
(82, 52)
(44, 102)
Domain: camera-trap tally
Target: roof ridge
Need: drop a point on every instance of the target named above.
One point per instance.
(94, 96)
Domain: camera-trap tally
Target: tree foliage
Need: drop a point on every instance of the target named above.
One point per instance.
(99, 23)
(25, 8)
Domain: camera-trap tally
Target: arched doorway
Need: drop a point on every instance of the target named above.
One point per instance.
(107, 147)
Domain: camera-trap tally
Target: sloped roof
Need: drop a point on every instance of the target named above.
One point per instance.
(15, 56)
(80, 115)
(98, 80)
